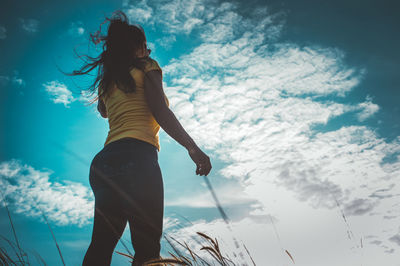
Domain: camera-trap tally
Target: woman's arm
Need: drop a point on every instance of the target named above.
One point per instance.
(101, 107)
(154, 94)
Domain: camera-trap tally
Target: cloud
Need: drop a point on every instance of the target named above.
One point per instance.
(211, 20)
(30, 191)
(18, 81)
(270, 105)
(229, 195)
(178, 16)
(376, 242)
(254, 102)
(3, 32)
(166, 41)
(15, 80)
(367, 110)
(395, 239)
(86, 96)
(359, 206)
(141, 12)
(76, 28)
(29, 25)
(384, 193)
(230, 239)
(59, 92)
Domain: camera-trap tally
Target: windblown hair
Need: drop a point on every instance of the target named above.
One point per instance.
(118, 56)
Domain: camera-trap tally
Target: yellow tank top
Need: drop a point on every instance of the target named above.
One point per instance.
(129, 114)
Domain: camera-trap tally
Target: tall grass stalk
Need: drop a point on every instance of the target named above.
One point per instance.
(212, 248)
(21, 255)
(54, 237)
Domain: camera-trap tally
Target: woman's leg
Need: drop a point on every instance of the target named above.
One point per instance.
(146, 208)
(109, 219)
(108, 227)
(146, 230)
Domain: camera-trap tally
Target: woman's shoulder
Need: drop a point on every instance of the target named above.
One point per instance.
(151, 64)
(147, 64)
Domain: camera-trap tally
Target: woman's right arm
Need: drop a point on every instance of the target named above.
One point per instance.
(154, 94)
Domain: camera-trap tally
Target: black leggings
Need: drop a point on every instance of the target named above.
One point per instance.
(128, 187)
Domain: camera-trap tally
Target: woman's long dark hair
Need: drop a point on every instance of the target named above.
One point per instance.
(118, 56)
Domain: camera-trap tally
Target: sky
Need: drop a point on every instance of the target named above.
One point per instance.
(295, 102)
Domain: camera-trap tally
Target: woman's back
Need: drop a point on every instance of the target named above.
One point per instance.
(129, 114)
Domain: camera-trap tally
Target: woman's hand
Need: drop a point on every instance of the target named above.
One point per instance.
(202, 161)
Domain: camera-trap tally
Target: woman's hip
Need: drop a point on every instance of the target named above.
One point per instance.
(126, 163)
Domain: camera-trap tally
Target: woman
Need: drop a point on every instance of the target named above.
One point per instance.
(125, 175)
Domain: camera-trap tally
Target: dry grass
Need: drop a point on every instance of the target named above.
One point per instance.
(14, 255)
(191, 257)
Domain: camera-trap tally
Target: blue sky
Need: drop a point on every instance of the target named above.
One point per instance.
(296, 102)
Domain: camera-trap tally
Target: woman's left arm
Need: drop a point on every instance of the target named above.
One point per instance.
(101, 107)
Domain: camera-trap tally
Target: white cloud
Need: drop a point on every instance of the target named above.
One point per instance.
(253, 102)
(3, 32)
(140, 12)
(214, 20)
(18, 81)
(59, 92)
(29, 25)
(15, 80)
(265, 247)
(178, 16)
(76, 28)
(86, 96)
(367, 110)
(30, 191)
(167, 41)
(230, 195)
